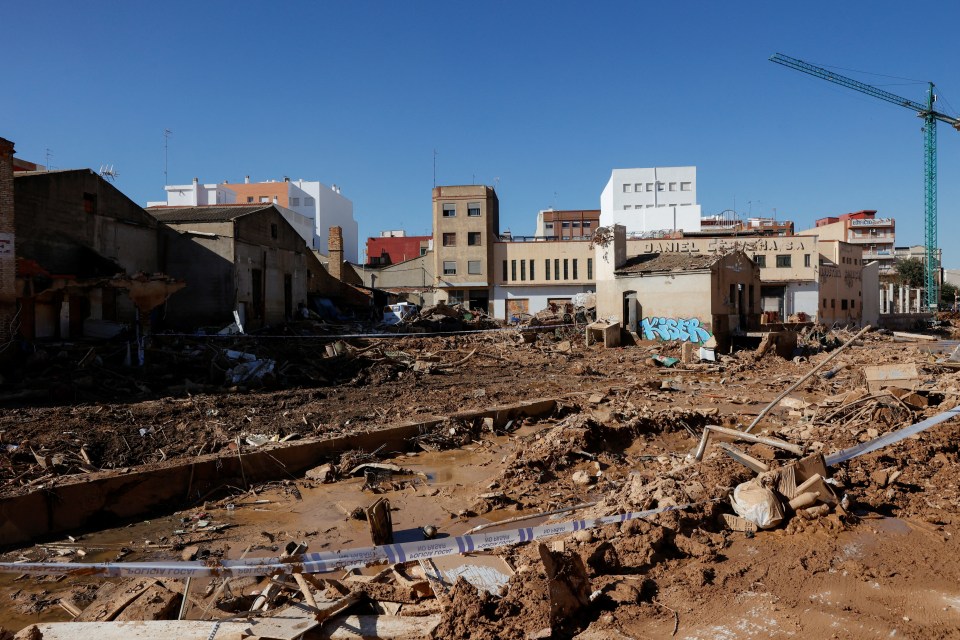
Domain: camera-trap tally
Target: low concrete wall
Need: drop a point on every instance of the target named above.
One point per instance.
(108, 498)
(904, 321)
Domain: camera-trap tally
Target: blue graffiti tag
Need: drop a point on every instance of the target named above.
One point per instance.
(688, 330)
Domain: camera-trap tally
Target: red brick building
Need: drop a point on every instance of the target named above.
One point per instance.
(391, 249)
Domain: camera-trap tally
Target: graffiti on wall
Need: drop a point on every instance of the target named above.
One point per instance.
(688, 330)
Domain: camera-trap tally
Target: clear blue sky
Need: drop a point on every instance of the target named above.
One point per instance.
(542, 99)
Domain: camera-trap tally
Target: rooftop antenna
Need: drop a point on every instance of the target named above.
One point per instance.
(47, 157)
(109, 172)
(166, 137)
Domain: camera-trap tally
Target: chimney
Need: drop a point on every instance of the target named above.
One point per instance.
(196, 181)
(286, 179)
(246, 180)
(8, 264)
(335, 251)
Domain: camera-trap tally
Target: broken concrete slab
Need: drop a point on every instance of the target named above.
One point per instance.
(902, 375)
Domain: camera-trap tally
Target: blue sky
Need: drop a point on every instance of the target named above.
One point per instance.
(541, 99)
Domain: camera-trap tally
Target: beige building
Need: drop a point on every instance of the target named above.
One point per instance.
(411, 280)
(529, 276)
(466, 219)
(841, 283)
(677, 296)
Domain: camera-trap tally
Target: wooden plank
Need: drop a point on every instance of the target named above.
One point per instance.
(124, 593)
(135, 630)
(382, 627)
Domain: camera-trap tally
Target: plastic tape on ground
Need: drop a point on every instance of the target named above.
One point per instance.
(330, 560)
(890, 438)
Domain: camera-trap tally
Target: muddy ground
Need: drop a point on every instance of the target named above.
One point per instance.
(884, 566)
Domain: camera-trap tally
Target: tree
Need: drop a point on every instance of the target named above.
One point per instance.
(910, 272)
(947, 295)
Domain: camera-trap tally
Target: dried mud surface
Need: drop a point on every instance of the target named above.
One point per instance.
(887, 567)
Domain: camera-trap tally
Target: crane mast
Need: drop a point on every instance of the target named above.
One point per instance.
(930, 119)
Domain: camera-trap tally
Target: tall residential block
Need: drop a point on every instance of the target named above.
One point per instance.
(651, 200)
(466, 223)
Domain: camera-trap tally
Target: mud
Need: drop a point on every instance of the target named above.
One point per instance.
(885, 567)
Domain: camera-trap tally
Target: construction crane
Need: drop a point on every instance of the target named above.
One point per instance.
(930, 118)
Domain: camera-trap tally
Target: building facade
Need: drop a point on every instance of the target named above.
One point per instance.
(466, 219)
(391, 247)
(530, 276)
(863, 228)
(567, 224)
(239, 258)
(326, 206)
(679, 296)
(651, 200)
(8, 259)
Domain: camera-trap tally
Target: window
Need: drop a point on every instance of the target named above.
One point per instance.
(649, 186)
(761, 260)
(574, 268)
(423, 251)
(449, 267)
(833, 304)
(673, 186)
(513, 270)
(684, 186)
(455, 296)
(566, 269)
(273, 230)
(638, 187)
(449, 210)
(589, 268)
(806, 259)
(523, 270)
(249, 198)
(843, 304)
(565, 225)
(575, 224)
(853, 303)
(89, 203)
(473, 210)
(264, 198)
(505, 271)
(586, 224)
(627, 188)
(294, 202)
(824, 303)
(556, 268)
(547, 269)
(473, 267)
(531, 270)
(450, 239)
(783, 261)
(473, 238)
(548, 226)
(309, 202)
(659, 186)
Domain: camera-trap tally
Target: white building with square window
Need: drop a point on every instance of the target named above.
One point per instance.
(649, 200)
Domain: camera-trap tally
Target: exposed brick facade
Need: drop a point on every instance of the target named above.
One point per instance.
(8, 260)
(335, 252)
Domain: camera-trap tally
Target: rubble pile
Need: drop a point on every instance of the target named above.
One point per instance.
(754, 520)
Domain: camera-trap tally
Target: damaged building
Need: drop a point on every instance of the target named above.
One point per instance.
(86, 257)
(676, 296)
(243, 258)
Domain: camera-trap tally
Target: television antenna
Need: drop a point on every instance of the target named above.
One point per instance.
(109, 172)
(166, 137)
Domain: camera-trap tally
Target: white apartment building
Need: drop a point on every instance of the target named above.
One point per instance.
(196, 195)
(650, 200)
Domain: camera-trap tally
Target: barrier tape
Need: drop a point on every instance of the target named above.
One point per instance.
(255, 336)
(328, 561)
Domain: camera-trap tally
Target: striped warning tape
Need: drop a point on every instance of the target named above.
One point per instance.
(325, 562)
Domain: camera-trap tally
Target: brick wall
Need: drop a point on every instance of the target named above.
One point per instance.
(8, 260)
(335, 252)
